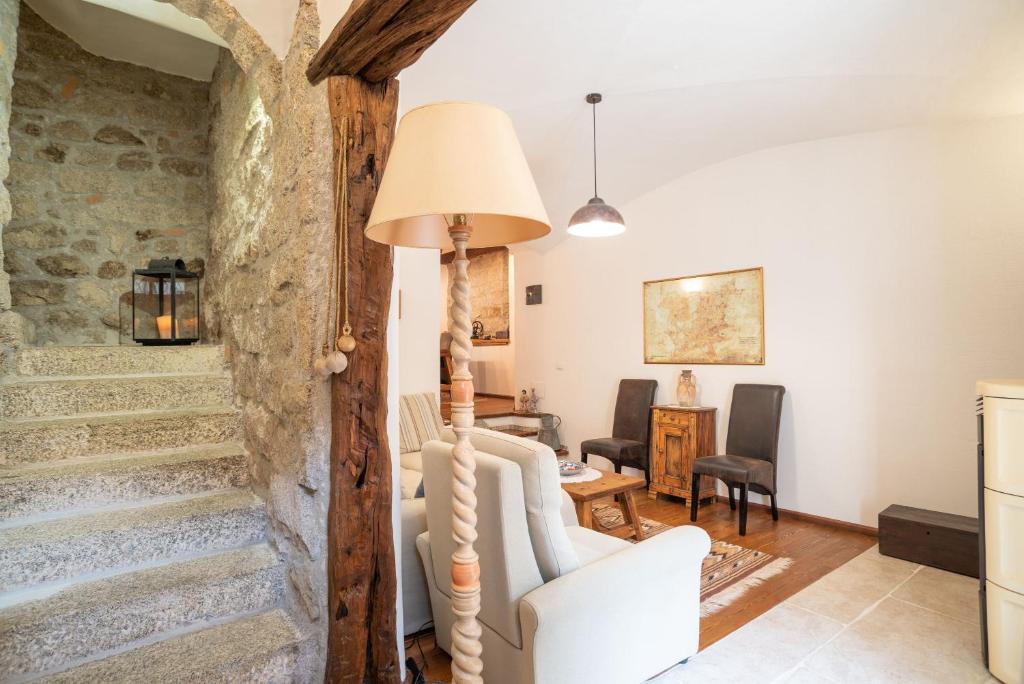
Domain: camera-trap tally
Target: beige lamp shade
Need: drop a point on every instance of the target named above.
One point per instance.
(456, 158)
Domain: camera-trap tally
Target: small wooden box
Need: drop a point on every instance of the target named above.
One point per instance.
(940, 540)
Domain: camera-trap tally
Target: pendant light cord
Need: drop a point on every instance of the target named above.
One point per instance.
(593, 108)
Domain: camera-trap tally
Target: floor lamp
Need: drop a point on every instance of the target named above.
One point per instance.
(457, 177)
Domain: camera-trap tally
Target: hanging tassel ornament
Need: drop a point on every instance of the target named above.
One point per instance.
(335, 361)
(345, 343)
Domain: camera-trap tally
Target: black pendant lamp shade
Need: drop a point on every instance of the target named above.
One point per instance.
(595, 218)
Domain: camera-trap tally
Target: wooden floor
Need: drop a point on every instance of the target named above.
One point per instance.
(815, 549)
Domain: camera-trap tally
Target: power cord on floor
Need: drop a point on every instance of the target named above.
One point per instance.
(414, 668)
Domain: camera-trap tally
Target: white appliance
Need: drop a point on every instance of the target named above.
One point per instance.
(1001, 516)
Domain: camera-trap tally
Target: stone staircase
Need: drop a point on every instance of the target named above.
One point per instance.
(131, 547)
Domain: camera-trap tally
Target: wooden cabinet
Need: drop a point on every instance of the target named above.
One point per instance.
(678, 436)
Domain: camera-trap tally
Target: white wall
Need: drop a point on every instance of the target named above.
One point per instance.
(419, 338)
(893, 280)
(394, 351)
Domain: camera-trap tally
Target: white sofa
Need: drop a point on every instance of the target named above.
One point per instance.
(560, 604)
(415, 594)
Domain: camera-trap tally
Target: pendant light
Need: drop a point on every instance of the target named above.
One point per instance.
(595, 218)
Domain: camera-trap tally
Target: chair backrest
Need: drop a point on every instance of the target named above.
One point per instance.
(542, 494)
(754, 421)
(508, 565)
(633, 410)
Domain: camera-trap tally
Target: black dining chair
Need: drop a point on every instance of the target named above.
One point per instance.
(751, 449)
(631, 429)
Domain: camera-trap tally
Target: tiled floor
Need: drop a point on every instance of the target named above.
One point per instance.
(874, 620)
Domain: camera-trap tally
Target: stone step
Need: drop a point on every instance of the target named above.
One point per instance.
(100, 616)
(37, 398)
(62, 549)
(34, 440)
(84, 483)
(262, 648)
(120, 360)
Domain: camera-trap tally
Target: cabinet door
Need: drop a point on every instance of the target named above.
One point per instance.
(675, 446)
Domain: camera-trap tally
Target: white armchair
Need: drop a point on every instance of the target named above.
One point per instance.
(560, 604)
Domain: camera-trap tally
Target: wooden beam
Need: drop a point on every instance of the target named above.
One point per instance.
(361, 580)
(378, 38)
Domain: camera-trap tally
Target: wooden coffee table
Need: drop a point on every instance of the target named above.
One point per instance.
(622, 487)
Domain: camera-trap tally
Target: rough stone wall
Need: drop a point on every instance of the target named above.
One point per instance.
(8, 52)
(108, 171)
(270, 235)
(13, 327)
(488, 273)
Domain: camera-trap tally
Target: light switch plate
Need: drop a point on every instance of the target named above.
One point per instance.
(533, 294)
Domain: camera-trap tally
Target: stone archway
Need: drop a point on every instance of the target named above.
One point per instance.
(245, 44)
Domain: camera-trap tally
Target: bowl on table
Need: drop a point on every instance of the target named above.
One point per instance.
(567, 468)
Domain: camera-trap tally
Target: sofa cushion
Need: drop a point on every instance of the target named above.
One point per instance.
(542, 492)
(419, 421)
(413, 460)
(409, 482)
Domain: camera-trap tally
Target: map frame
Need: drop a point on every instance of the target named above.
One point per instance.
(758, 360)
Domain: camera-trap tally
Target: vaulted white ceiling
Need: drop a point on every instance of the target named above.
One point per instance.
(145, 32)
(688, 83)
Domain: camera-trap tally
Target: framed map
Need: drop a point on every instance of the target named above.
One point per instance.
(715, 318)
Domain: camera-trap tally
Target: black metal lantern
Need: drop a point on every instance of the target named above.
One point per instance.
(165, 303)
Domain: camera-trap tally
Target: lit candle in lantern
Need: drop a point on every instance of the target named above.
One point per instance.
(163, 326)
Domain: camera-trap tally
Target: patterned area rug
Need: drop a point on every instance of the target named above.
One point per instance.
(728, 572)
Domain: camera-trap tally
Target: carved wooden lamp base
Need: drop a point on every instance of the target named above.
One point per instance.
(466, 649)
(472, 156)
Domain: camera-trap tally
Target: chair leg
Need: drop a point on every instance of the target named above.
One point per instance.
(743, 509)
(583, 457)
(732, 496)
(618, 467)
(694, 493)
(775, 508)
